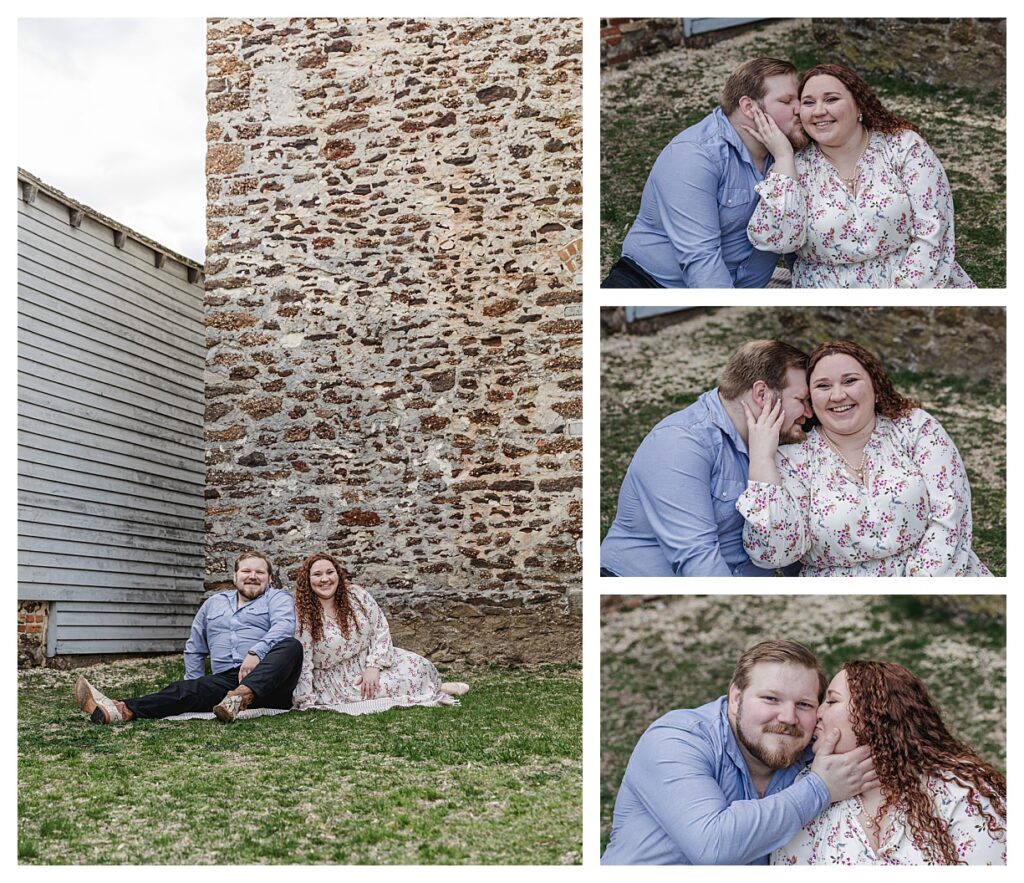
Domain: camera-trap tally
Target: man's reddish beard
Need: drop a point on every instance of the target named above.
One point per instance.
(797, 136)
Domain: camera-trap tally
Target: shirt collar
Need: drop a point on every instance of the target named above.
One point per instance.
(732, 138)
(720, 418)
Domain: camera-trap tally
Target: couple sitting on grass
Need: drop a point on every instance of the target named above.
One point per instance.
(340, 657)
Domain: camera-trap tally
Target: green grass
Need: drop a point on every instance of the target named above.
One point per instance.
(495, 781)
(679, 652)
(648, 104)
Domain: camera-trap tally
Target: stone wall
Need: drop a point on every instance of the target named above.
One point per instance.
(623, 39)
(393, 318)
(957, 52)
(32, 621)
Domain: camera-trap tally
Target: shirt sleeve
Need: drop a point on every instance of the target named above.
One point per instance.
(686, 189)
(381, 651)
(196, 647)
(779, 223)
(674, 489)
(945, 548)
(776, 531)
(281, 608)
(675, 782)
(302, 695)
(931, 258)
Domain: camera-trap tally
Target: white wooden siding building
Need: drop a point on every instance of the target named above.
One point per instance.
(110, 430)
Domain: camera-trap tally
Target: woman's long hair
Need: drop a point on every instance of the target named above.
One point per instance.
(874, 115)
(891, 711)
(888, 402)
(308, 609)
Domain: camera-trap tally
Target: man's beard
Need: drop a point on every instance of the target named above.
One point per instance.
(798, 137)
(792, 436)
(251, 591)
(774, 759)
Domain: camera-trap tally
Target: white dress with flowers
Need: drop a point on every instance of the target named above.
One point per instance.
(912, 517)
(897, 232)
(836, 837)
(331, 668)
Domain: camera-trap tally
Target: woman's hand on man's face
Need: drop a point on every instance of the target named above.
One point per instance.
(763, 430)
(766, 132)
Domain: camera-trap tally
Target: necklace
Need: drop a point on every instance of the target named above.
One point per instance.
(851, 183)
(858, 470)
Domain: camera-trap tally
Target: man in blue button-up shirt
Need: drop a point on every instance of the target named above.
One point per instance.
(691, 229)
(726, 783)
(677, 504)
(248, 633)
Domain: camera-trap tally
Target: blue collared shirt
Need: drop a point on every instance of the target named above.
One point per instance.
(677, 504)
(226, 633)
(687, 797)
(691, 230)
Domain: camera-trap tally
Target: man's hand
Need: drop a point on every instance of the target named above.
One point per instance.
(369, 682)
(248, 664)
(844, 774)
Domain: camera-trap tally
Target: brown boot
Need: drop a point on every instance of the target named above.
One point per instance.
(98, 707)
(237, 700)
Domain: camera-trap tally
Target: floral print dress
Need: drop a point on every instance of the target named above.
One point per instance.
(836, 837)
(331, 668)
(912, 516)
(897, 232)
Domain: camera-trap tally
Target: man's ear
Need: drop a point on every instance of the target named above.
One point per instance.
(747, 105)
(758, 392)
(734, 698)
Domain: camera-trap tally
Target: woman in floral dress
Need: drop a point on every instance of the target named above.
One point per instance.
(866, 204)
(937, 801)
(876, 489)
(349, 663)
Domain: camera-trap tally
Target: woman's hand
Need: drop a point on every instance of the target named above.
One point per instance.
(369, 682)
(763, 439)
(766, 132)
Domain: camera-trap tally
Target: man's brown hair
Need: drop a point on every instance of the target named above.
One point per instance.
(766, 360)
(748, 79)
(778, 651)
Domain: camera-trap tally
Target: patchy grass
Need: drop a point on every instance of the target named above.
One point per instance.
(645, 105)
(646, 377)
(495, 781)
(679, 652)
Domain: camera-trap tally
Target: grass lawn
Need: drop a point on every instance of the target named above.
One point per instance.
(679, 652)
(495, 781)
(645, 103)
(644, 378)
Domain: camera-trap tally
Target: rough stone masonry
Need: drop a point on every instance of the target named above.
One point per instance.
(393, 318)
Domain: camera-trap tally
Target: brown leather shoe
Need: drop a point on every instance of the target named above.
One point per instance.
(237, 700)
(98, 707)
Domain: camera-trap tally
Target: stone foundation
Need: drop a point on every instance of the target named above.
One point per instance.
(32, 621)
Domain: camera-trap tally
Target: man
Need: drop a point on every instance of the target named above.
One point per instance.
(718, 784)
(677, 504)
(249, 635)
(691, 230)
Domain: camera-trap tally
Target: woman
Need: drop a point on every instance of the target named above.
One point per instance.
(349, 663)
(876, 489)
(937, 802)
(866, 204)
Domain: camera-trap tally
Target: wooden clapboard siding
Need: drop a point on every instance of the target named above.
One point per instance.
(111, 352)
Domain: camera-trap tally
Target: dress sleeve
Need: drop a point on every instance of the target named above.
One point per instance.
(302, 695)
(381, 650)
(779, 222)
(976, 842)
(930, 260)
(776, 532)
(945, 548)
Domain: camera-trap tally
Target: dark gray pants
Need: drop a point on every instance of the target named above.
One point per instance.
(272, 682)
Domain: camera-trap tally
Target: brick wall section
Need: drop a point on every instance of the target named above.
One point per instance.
(32, 620)
(623, 39)
(394, 333)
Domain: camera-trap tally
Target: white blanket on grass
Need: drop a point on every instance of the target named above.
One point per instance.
(370, 706)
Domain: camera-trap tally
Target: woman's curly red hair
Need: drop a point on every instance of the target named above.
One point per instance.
(874, 115)
(888, 402)
(891, 711)
(309, 610)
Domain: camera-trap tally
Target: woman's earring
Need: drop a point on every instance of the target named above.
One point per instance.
(860, 117)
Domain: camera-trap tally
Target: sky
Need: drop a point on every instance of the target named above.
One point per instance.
(113, 113)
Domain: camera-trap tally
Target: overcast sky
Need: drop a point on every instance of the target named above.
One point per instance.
(113, 113)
